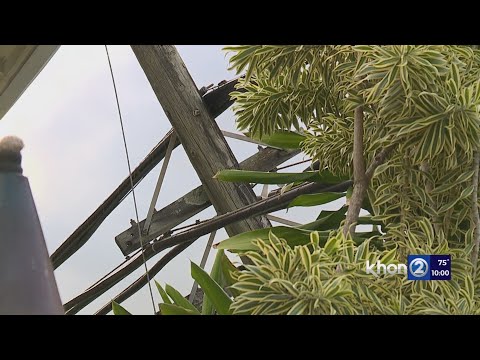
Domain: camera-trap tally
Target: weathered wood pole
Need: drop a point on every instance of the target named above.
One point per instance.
(200, 136)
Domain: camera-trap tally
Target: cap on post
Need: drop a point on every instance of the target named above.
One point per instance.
(27, 283)
(10, 157)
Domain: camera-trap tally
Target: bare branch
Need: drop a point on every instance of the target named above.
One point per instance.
(360, 181)
(358, 160)
(360, 176)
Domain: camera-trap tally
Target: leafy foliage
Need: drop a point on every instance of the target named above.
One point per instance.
(119, 309)
(219, 298)
(331, 279)
(423, 100)
(216, 299)
(299, 235)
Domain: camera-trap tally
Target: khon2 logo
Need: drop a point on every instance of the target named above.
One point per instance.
(419, 267)
(429, 267)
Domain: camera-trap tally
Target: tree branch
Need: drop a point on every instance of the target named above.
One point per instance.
(378, 160)
(360, 180)
(361, 176)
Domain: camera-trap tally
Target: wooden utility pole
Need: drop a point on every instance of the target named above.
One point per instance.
(200, 136)
(216, 101)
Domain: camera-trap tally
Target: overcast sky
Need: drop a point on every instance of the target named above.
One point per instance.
(74, 158)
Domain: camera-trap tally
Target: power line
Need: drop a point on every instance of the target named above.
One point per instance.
(131, 179)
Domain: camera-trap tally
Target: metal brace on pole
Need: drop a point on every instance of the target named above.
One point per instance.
(264, 194)
(203, 262)
(282, 220)
(245, 138)
(161, 176)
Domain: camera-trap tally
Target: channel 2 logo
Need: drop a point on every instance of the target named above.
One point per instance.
(429, 267)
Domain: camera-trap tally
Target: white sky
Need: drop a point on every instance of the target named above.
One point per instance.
(74, 158)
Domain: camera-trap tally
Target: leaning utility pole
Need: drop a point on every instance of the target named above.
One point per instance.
(199, 134)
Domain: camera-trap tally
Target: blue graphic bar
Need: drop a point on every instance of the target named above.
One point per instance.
(429, 267)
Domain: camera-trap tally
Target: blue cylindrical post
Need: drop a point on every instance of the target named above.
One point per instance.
(27, 283)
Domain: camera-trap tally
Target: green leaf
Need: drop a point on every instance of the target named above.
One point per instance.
(315, 199)
(221, 273)
(327, 213)
(219, 298)
(333, 243)
(362, 252)
(466, 192)
(298, 308)
(366, 203)
(228, 269)
(366, 48)
(360, 237)
(119, 309)
(389, 256)
(332, 220)
(315, 239)
(179, 300)
(420, 193)
(216, 275)
(368, 220)
(251, 68)
(261, 177)
(281, 139)
(464, 177)
(349, 193)
(286, 188)
(384, 198)
(456, 76)
(305, 257)
(327, 220)
(163, 294)
(470, 288)
(448, 206)
(171, 309)
(293, 237)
